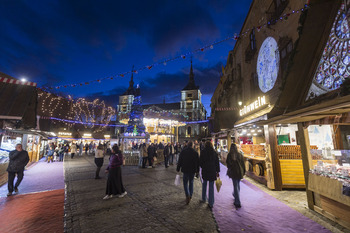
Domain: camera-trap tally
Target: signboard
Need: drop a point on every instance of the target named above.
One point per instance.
(260, 102)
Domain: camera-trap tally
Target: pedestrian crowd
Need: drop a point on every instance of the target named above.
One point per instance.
(190, 158)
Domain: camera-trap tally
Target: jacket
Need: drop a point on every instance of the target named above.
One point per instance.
(188, 161)
(99, 153)
(116, 160)
(73, 149)
(144, 151)
(209, 162)
(235, 167)
(166, 151)
(18, 160)
(151, 151)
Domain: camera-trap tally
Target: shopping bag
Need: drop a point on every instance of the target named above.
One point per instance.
(177, 180)
(155, 159)
(218, 184)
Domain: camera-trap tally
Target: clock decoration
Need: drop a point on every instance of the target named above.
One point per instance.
(268, 64)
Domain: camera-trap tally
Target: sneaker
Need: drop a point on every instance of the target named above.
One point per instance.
(188, 199)
(123, 194)
(9, 194)
(107, 197)
(16, 190)
(210, 207)
(149, 167)
(202, 201)
(97, 177)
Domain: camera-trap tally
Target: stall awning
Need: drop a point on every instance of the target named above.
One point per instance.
(329, 111)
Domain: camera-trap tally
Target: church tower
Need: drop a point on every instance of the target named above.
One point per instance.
(126, 100)
(191, 100)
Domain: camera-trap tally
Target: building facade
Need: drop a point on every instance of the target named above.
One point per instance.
(286, 88)
(189, 110)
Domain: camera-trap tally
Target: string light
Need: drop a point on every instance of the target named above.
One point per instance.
(183, 56)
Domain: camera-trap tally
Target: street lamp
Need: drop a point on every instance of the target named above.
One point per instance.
(240, 103)
(23, 80)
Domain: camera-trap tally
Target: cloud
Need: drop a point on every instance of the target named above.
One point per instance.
(168, 86)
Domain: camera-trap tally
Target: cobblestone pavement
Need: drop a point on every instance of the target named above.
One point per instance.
(153, 203)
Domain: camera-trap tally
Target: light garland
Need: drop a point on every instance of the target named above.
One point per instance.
(183, 56)
(83, 123)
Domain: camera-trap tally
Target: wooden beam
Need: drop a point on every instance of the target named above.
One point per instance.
(307, 160)
(271, 139)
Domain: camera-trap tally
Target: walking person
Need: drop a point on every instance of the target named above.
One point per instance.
(144, 154)
(209, 162)
(81, 147)
(189, 165)
(177, 152)
(151, 152)
(99, 160)
(18, 160)
(61, 152)
(172, 153)
(236, 171)
(50, 154)
(86, 148)
(73, 150)
(166, 153)
(114, 182)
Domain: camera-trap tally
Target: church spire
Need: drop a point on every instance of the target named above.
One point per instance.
(191, 85)
(131, 83)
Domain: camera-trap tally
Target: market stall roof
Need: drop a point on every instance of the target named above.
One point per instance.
(334, 107)
(17, 99)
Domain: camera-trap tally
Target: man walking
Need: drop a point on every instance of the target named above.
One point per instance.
(166, 153)
(189, 165)
(18, 160)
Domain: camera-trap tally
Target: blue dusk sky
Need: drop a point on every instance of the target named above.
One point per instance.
(59, 42)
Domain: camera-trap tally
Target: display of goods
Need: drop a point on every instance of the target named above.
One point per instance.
(291, 151)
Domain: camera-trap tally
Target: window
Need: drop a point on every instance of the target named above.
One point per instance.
(252, 40)
(250, 51)
(334, 66)
(189, 95)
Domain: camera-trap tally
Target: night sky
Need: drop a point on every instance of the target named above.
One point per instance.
(64, 42)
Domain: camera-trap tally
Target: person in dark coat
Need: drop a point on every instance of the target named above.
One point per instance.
(151, 152)
(189, 165)
(115, 185)
(166, 153)
(209, 162)
(236, 171)
(18, 160)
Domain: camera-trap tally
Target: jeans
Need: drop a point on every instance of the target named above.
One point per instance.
(149, 161)
(211, 192)
(72, 155)
(140, 161)
(144, 161)
(188, 183)
(236, 188)
(171, 159)
(11, 178)
(166, 161)
(177, 158)
(61, 156)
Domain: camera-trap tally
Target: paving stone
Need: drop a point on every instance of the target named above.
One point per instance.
(153, 203)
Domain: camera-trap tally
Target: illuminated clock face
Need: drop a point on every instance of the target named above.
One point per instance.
(268, 64)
